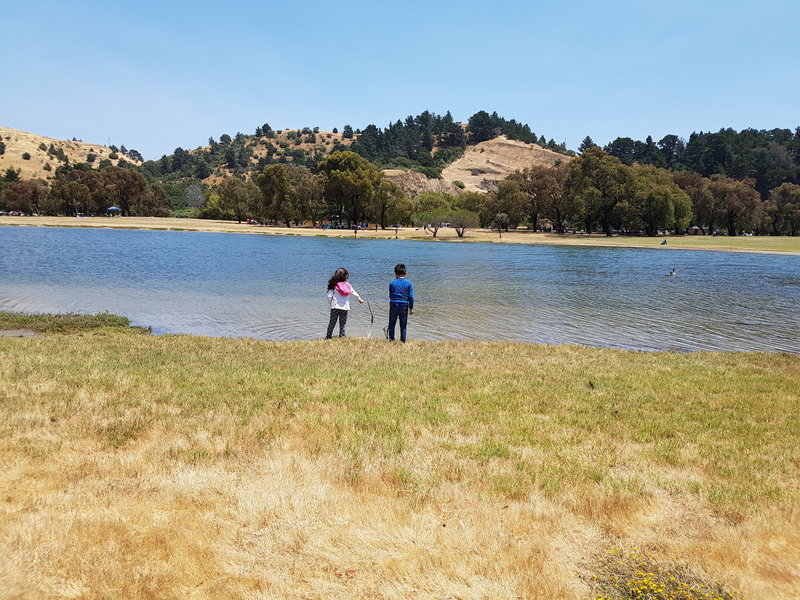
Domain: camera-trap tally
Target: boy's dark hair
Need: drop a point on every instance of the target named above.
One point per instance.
(400, 269)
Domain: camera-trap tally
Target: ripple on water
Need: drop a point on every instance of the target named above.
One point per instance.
(273, 288)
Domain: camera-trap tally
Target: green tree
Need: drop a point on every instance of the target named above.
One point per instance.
(785, 209)
(657, 202)
(24, 196)
(123, 187)
(480, 127)
(703, 201)
(427, 201)
(387, 199)
(307, 193)
(275, 188)
(214, 208)
(598, 182)
(461, 220)
(510, 200)
(473, 202)
(546, 184)
(431, 220)
(350, 184)
(586, 144)
(238, 197)
(501, 222)
(737, 201)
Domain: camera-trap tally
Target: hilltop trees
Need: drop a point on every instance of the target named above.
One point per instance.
(769, 157)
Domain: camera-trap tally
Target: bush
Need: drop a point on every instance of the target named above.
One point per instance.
(47, 167)
(90, 158)
(43, 146)
(186, 213)
(113, 156)
(459, 184)
(26, 156)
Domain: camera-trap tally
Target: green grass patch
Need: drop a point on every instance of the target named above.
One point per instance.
(68, 323)
(502, 418)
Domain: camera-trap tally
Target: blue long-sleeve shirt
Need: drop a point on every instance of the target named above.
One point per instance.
(401, 292)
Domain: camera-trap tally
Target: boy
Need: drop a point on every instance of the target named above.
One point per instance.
(401, 301)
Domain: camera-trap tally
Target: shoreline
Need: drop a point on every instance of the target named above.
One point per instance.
(780, 245)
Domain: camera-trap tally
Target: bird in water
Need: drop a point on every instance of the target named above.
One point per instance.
(673, 272)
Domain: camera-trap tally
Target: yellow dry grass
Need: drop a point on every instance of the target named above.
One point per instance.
(18, 142)
(770, 244)
(484, 165)
(188, 467)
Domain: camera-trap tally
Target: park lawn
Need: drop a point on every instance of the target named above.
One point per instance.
(181, 466)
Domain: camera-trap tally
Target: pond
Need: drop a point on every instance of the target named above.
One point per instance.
(273, 288)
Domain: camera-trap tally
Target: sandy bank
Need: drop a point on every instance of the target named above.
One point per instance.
(762, 244)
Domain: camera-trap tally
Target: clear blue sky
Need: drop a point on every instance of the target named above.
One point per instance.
(157, 75)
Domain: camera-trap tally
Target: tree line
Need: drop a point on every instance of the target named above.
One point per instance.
(594, 192)
(769, 157)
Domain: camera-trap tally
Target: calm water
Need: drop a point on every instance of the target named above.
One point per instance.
(273, 287)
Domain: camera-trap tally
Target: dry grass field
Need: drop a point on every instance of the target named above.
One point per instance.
(140, 466)
(484, 165)
(19, 142)
(782, 244)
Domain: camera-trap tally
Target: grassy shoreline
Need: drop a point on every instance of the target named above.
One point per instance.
(760, 244)
(194, 466)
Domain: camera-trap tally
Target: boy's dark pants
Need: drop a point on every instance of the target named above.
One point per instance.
(337, 313)
(395, 311)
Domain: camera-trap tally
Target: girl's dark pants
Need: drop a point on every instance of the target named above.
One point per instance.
(337, 313)
(395, 311)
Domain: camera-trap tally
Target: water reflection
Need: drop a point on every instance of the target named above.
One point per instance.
(272, 287)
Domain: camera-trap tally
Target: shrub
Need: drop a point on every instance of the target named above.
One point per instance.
(459, 184)
(90, 158)
(43, 147)
(47, 167)
(26, 156)
(113, 156)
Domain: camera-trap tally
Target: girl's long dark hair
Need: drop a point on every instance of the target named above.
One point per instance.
(339, 275)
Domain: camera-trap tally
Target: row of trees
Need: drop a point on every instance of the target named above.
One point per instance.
(598, 192)
(429, 141)
(594, 192)
(81, 190)
(769, 157)
(346, 189)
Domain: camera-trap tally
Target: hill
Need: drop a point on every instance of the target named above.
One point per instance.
(486, 164)
(291, 146)
(47, 154)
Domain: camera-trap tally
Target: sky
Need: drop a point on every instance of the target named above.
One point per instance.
(154, 76)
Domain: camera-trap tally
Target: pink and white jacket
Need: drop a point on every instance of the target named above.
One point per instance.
(339, 297)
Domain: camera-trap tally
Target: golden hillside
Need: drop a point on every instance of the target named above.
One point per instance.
(486, 164)
(284, 140)
(19, 142)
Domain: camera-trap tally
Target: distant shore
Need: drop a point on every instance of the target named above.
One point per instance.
(754, 244)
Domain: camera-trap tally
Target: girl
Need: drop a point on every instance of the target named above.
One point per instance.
(339, 292)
